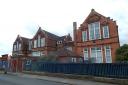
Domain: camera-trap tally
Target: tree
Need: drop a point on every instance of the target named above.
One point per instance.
(122, 53)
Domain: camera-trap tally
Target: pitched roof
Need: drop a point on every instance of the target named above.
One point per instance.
(23, 39)
(67, 37)
(56, 37)
(51, 34)
(62, 38)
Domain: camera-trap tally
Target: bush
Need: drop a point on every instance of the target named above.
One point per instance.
(48, 58)
(122, 53)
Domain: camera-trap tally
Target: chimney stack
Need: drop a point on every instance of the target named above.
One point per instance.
(74, 25)
(74, 30)
(75, 35)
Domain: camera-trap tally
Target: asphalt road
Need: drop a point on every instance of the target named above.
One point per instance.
(8, 79)
(17, 80)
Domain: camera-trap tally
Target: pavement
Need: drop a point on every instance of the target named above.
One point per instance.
(20, 80)
(65, 81)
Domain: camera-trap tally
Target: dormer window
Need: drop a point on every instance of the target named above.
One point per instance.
(59, 42)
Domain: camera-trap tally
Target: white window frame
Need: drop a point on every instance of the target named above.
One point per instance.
(19, 46)
(84, 36)
(35, 43)
(30, 45)
(39, 41)
(96, 55)
(110, 54)
(85, 58)
(37, 53)
(14, 47)
(89, 27)
(74, 60)
(104, 32)
(42, 42)
(91, 54)
(101, 54)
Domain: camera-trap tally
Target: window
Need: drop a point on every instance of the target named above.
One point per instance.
(85, 52)
(96, 55)
(14, 47)
(84, 35)
(30, 44)
(59, 42)
(105, 32)
(38, 40)
(19, 46)
(94, 31)
(28, 62)
(108, 54)
(99, 55)
(36, 53)
(69, 48)
(74, 60)
(42, 42)
(93, 55)
(35, 43)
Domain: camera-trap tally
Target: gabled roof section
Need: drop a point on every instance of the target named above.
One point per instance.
(47, 33)
(39, 30)
(21, 39)
(93, 16)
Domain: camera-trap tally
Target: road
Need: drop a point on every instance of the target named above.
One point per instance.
(17, 80)
(8, 79)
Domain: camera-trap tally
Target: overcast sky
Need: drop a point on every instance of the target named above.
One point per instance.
(56, 16)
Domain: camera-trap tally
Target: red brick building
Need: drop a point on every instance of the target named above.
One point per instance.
(41, 45)
(20, 53)
(97, 38)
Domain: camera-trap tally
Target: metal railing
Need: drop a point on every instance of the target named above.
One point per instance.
(117, 70)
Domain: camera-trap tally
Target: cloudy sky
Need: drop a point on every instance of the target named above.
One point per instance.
(24, 16)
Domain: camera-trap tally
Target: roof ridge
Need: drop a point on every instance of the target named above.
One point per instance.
(49, 33)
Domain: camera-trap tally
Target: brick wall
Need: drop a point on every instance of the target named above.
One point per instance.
(112, 41)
